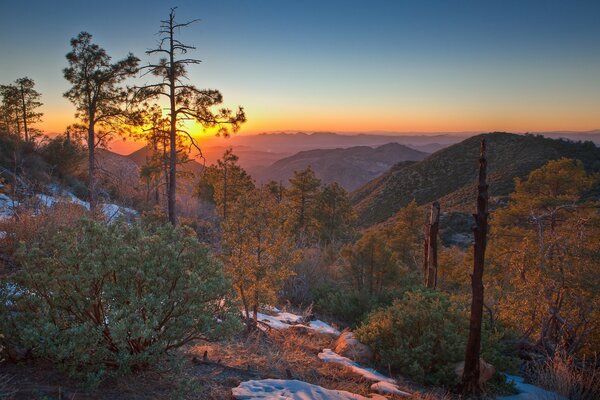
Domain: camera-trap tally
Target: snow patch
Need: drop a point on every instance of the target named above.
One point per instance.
(285, 320)
(280, 389)
(368, 373)
(110, 211)
(323, 327)
(6, 206)
(383, 384)
(388, 388)
(529, 392)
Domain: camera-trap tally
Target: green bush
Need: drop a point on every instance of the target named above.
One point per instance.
(108, 299)
(350, 306)
(420, 335)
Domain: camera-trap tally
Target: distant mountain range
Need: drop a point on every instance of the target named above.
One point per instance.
(351, 167)
(299, 141)
(449, 174)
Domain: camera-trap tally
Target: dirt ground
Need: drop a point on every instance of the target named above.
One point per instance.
(209, 371)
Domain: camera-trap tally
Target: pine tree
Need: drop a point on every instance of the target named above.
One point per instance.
(100, 101)
(228, 182)
(334, 215)
(259, 255)
(11, 118)
(29, 102)
(371, 263)
(302, 199)
(186, 102)
(545, 247)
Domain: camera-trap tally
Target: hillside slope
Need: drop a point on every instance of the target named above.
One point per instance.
(350, 167)
(449, 174)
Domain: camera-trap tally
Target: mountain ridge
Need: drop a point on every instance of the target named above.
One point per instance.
(449, 175)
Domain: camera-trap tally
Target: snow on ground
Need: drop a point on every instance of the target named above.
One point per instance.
(111, 211)
(529, 392)
(6, 206)
(322, 327)
(388, 388)
(383, 384)
(280, 389)
(284, 320)
(368, 373)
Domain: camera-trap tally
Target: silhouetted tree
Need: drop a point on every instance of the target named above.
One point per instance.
(29, 102)
(99, 99)
(186, 102)
(10, 109)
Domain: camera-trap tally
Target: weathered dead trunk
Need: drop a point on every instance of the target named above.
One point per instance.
(470, 379)
(430, 251)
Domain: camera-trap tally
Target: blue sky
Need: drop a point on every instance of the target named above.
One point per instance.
(344, 65)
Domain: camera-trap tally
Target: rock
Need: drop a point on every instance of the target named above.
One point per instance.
(486, 371)
(348, 346)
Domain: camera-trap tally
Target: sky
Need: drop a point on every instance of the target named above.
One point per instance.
(353, 66)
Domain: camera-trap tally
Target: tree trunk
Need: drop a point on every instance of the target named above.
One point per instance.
(25, 130)
(431, 250)
(470, 379)
(91, 141)
(172, 188)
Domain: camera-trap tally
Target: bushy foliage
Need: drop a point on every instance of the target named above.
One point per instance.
(348, 305)
(258, 254)
(421, 335)
(544, 251)
(108, 299)
(63, 155)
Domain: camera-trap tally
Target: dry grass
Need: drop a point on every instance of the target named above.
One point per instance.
(563, 375)
(283, 355)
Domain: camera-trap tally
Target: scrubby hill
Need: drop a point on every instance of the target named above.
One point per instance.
(350, 167)
(449, 174)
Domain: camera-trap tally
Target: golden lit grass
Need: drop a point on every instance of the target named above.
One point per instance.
(567, 377)
(272, 356)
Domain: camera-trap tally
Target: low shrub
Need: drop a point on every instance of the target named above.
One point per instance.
(420, 335)
(350, 306)
(104, 299)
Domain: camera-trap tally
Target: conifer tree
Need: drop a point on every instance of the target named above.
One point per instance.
(334, 215)
(259, 255)
(98, 96)
(29, 102)
(186, 102)
(302, 198)
(228, 182)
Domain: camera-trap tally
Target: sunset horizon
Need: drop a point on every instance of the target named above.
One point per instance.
(514, 69)
(302, 200)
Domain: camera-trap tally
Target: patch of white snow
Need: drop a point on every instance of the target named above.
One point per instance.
(529, 392)
(368, 373)
(388, 388)
(284, 320)
(279, 389)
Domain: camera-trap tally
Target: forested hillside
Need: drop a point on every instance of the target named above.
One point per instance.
(449, 174)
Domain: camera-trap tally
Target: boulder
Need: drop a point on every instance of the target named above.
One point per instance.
(348, 346)
(486, 371)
